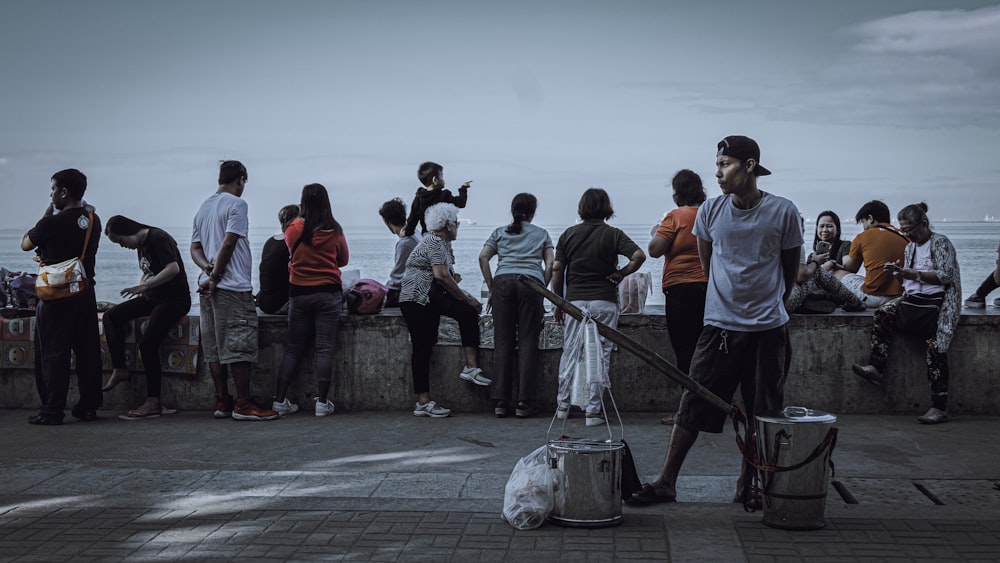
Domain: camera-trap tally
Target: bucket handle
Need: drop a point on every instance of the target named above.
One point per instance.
(607, 421)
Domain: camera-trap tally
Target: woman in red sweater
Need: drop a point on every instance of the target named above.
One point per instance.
(318, 250)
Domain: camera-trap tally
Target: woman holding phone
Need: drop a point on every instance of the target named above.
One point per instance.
(816, 289)
(928, 309)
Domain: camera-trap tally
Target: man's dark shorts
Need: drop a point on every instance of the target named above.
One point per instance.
(723, 360)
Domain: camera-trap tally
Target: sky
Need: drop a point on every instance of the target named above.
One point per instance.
(852, 100)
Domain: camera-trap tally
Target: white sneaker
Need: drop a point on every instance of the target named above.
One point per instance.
(430, 409)
(323, 409)
(475, 375)
(594, 419)
(284, 407)
(562, 413)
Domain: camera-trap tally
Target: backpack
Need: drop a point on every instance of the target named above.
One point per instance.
(366, 297)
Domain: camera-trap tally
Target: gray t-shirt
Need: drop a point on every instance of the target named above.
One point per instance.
(520, 253)
(404, 246)
(745, 278)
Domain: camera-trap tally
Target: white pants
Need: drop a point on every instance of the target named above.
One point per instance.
(605, 312)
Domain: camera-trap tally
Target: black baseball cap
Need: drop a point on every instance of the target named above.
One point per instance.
(743, 148)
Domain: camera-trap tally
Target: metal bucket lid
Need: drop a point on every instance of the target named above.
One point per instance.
(798, 414)
(584, 445)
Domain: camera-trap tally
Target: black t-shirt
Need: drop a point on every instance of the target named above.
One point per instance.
(273, 276)
(590, 252)
(159, 250)
(60, 237)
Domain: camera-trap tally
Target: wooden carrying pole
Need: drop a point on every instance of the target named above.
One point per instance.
(631, 345)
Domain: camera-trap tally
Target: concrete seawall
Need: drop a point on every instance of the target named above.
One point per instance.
(373, 371)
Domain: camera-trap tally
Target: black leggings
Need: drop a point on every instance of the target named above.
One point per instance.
(422, 321)
(163, 316)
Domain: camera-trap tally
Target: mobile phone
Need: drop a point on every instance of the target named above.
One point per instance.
(822, 247)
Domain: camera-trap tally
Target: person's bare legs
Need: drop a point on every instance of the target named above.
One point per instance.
(241, 378)
(471, 356)
(681, 440)
(220, 376)
(118, 375)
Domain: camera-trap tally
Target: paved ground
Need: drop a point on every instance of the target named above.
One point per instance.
(391, 487)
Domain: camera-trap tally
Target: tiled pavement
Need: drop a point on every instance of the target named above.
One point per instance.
(389, 487)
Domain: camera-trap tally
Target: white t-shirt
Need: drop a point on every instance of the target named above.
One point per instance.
(224, 213)
(922, 262)
(745, 279)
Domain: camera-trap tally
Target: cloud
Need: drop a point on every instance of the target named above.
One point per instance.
(924, 69)
(921, 69)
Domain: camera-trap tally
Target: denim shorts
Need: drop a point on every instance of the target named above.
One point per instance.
(229, 327)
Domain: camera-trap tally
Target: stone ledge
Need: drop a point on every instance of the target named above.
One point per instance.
(373, 371)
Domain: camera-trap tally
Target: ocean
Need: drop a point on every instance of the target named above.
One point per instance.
(372, 253)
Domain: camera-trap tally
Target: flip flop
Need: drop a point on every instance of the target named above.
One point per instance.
(135, 415)
(648, 495)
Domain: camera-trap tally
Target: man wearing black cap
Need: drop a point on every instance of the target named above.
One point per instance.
(749, 242)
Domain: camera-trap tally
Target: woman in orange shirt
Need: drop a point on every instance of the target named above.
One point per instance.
(684, 282)
(318, 251)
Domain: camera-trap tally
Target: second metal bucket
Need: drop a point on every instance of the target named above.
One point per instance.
(588, 486)
(795, 446)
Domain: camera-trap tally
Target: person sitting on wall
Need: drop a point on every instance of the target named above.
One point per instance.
(162, 295)
(933, 288)
(393, 213)
(273, 295)
(816, 289)
(877, 245)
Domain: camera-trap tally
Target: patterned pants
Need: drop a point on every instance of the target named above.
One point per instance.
(886, 324)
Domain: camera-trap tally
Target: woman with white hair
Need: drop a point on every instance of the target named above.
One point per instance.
(429, 290)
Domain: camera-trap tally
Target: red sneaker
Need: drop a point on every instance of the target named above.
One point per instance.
(246, 409)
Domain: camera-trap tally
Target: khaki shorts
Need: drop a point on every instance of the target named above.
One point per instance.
(229, 327)
(856, 283)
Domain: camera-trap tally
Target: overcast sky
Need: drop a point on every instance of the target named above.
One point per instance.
(849, 100)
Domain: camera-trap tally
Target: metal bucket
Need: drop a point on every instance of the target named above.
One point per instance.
(588, 483)
(795, 447)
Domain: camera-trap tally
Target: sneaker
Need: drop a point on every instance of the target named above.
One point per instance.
(475, 375)
(246, 409)
(324, 409)
(933, 416)
(996, 302)
(562, 413)
(594, 419)
(430, 409)
(284, 407)
(223, 407)
(975, 302)
(868, 373)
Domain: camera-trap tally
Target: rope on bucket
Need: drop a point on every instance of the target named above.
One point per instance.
(752, 490)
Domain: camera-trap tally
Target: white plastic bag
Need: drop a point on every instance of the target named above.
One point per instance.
(530, 493)
(590, 366)
(633, 291)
